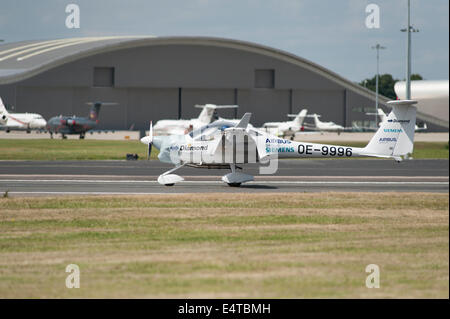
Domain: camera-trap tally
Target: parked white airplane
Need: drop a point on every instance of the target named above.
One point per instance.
(223, 144)
(181, 127)
(326, 126)
(284, 129)
(20, 121)
(383, 118)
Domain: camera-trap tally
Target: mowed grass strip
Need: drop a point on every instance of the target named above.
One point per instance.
(248, 246)
(57, 149)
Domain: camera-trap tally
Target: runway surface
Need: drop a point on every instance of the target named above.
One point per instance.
(37, 178)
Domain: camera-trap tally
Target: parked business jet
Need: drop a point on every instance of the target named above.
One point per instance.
(288, 128)
(20, 121)
(181, 127)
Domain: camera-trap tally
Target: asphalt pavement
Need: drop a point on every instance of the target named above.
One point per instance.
(28, 178)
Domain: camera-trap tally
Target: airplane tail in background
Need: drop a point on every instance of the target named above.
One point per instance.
(2, 107)
(395, 137)
(382, 115)
(208, 110)
(300, 117)
(3, 113)
(95, 109)
(316, 120)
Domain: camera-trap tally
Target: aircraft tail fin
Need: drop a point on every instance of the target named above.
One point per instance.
(3, 113)
(243, 123)
(2, 107)
(300, 117)
(395, 136)
(95, 109)
(208, 111)
(316, 119)
(382, 115)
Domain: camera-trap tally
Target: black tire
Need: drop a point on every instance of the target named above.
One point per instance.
(234, 184)
(169, 184)
(81, 137)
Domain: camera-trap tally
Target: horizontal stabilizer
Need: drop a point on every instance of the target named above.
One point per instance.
(214, 106)
(101, 103)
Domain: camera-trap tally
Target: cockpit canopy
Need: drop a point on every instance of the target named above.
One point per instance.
(208, 132)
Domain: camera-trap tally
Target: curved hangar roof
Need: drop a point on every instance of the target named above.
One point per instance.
(22, 60)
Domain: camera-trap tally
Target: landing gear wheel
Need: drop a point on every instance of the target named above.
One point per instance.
(81, 136)
(64, 137)
(169, 184)
(234, 184)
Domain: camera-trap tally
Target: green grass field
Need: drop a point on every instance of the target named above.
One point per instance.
(47, 149)
(57, 149)
(256, 246)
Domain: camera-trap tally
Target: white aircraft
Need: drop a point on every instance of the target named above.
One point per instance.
(223, 144)
(20, 121)
(283, 129)
(181, 127)
(383, 118)
(326, 126)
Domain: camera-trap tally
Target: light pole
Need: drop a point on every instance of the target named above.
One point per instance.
(378, 47)
(408, 31)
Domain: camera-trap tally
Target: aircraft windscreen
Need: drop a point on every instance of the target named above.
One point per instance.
(207, 131)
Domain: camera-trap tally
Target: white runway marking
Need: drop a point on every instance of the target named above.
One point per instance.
(220, 182)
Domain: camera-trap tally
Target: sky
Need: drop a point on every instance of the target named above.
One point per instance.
(331, 33)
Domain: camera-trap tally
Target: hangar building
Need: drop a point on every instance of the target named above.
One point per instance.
(152, 78)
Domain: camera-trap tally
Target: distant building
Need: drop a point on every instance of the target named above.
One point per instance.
(164, 77)
(432, 97)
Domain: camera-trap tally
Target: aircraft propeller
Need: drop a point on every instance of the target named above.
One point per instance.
(148, 140)
(149, 150)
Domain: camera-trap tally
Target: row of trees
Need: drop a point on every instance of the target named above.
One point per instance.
(386, 84)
